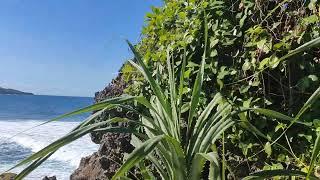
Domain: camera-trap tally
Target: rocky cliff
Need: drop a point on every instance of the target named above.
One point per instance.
(103, 164)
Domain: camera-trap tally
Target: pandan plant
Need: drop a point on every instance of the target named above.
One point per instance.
(176, 147)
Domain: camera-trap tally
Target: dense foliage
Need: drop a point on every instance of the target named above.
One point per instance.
(167, 143)
(222, 89)
(246, 40)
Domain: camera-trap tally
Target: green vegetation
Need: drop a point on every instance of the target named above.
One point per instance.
(223, 90)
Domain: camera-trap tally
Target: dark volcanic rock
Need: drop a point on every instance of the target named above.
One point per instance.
(114, 89)
(89, 169)
(104, 163)
(49, 178)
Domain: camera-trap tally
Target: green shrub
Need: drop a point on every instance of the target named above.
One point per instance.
(177, 147)
(244, 37)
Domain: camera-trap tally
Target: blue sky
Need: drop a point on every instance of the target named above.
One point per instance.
(72, 47)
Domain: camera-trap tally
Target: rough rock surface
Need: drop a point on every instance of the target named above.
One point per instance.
(7, 176)
(104, 163)
(50, 178)
(114, 89)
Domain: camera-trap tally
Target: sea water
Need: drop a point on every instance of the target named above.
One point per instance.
(21, 112)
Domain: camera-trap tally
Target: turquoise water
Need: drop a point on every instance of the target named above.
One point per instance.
(20, 112)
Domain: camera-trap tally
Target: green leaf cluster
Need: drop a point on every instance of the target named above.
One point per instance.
(227, 88)
(248, 42)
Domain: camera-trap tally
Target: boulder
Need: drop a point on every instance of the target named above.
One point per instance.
(50, 178)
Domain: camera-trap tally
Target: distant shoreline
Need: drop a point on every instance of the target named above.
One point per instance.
(7, 91)
(63, 95)
(46, 95)
(27, 94)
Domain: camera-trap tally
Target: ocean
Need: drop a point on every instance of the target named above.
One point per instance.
(20, 112)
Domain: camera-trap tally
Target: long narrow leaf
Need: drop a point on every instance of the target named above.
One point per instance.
(138, 154)
(306, 46)
(108, 104)
(216, 119)
(315, 154)
(178, 159)
(161, 165)
(206, 112)
(72, 136)
(198, 164)
(277, 115)
(279, 172)
(32, 167)
(313, 98)
(199, 79)
(214, 134)
(173, 97)
(154, 86)
(181, 81)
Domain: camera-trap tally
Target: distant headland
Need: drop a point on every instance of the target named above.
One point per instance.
(13, 92)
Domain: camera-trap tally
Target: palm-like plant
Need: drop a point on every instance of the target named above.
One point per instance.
(174, 152)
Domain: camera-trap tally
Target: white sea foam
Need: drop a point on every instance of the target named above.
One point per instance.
(64, 161)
